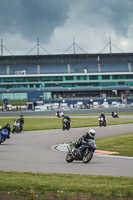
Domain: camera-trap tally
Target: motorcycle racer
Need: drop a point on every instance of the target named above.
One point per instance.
(7, 126)
(85, 138)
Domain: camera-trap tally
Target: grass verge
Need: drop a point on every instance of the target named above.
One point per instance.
(119, 143)
(56, 123)
(62, 186)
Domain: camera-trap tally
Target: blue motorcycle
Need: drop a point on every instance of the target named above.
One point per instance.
(3, 135)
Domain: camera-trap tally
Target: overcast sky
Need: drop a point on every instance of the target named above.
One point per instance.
(58, 22)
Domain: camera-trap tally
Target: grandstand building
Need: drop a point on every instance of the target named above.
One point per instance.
(67, 76)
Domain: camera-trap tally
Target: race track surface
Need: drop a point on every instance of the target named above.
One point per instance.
(32, 151)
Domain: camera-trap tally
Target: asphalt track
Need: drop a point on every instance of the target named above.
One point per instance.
(32, 151)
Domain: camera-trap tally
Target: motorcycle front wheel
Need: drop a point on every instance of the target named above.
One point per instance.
(18, 130)
(64, 127)
(21, 128)
(69, 157)
(104, 124)
(13, 131)
(87, 158)
(0, 139)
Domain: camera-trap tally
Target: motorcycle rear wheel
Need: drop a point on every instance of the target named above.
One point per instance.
(69, 157)
(87, 158)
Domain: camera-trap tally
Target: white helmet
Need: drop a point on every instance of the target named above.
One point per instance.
(0, 127)
(91, 133)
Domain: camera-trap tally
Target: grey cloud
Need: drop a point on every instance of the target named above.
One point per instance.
(116, 14)
(29, 19)
(32, 18)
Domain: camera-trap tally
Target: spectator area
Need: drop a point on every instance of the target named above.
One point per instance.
(90, 67)
(84, 68)
(114, 67)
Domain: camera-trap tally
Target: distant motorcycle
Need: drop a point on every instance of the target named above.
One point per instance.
(16, 127)
(66, 125)
(3, 135)
(59, 114)
(114, 115)
(86, 153)
(102, 122)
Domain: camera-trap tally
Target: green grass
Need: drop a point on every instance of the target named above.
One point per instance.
(66, 186)
(119, 143)
(56, 123)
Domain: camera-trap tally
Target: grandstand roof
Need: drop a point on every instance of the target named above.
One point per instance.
(66, 58)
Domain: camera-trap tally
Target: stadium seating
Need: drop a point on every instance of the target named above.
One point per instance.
(84, 68)
(114, 67)
(53, 68)
(2, 69)
(132, 66)
(23, 69)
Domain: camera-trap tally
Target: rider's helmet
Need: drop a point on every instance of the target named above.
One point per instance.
(21, 116)
(8, 126)
(91, 134)
(0, 127)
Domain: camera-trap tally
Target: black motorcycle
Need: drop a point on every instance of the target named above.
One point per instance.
(114, 115)
(102, 122)
(65, 125)
(3, 135)
(85, 154)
